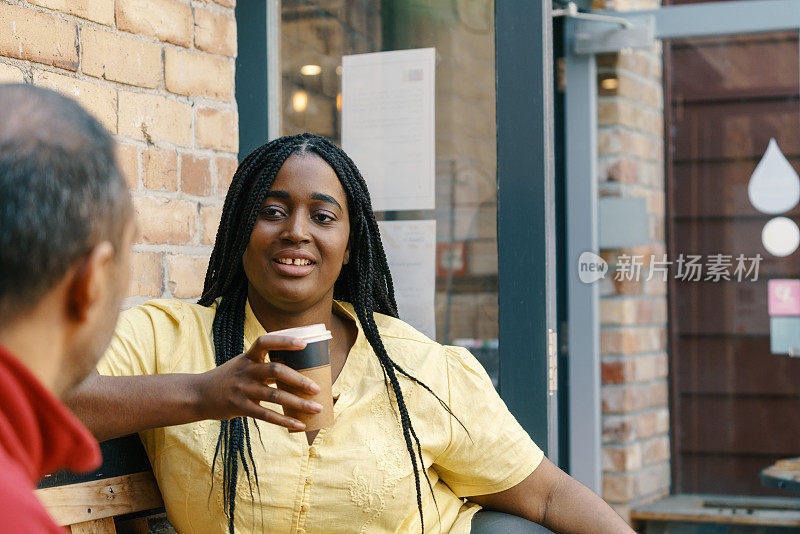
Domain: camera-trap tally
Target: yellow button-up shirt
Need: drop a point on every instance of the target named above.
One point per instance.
(357, 474)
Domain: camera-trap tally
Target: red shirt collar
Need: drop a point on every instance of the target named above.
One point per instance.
(36, 429)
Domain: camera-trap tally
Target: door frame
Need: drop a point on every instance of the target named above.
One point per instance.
(526, 217)
(670, 22)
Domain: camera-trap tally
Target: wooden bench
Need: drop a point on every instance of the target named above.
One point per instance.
(90, 507)
(123, 488)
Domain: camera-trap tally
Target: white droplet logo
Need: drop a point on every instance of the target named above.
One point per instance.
(774, 186)
(591, 267)
(780, 236)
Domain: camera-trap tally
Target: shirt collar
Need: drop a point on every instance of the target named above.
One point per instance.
(36, 429)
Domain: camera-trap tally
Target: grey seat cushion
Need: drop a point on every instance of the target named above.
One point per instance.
(490, 522)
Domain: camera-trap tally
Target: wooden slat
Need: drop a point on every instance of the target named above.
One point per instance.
(734, 366)
(718, 188)
(718, 67)
(95, 526)
(725, 130)
(714, 308)
(728, 473)
(722, 510)
(751, 425)
(98, 499)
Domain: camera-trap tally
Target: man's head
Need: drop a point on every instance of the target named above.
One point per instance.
(66, 225)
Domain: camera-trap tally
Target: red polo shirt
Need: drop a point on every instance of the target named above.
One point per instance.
(38, 435)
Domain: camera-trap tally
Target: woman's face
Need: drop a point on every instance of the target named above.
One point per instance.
(301, 236)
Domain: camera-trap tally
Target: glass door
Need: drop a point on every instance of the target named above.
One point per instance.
(705, 132)
(732, 113)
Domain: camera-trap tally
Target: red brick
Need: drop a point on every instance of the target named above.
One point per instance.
(186, 275)
(166, 20)
(11, 74)
(195, 175)
(624, 398)
(628, 287)
(195, 74)
(160, 169)
(623, 458)
(128, 163)
(218, 129)
(210, 217)
(644, 368)
(652, 423)
(624, 170)
(214, 32)
(153, 118)
(658, 394)
(98, 100)
(226, 3)
(39, 37)
(619, 340)
(644, 311)
(100, 11)
(656, 451)
(619, 488)
(166, 221)
(120, 58)
(619, 428)
(146, 275)
(662, 365)
(655, 287)
(617, 311)
(225, 169)
(616, 371)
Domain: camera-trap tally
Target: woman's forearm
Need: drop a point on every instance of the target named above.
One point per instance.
(112, 406)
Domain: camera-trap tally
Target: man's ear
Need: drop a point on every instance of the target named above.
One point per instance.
(90, 280)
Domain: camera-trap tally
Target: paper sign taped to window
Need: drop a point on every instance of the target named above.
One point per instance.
(411, 252)
(388, 125)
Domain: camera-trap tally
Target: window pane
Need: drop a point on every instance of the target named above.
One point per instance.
(315, 34)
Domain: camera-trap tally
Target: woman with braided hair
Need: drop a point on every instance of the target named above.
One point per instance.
(420, 441)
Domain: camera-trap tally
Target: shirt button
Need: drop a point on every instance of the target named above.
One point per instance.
(301, 531)
(309, 480)
(304, 507)
(312, 451)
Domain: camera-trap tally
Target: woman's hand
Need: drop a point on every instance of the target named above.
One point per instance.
(237, 387)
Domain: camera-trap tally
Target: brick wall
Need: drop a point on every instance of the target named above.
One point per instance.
(636, 445)
(159, 75)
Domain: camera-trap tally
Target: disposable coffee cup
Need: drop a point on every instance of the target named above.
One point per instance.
(314, 362)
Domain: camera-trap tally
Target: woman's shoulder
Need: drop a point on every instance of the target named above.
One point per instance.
(417, 346)
(168, 312)
(395, 328)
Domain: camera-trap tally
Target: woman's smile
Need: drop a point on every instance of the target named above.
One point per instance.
(293, 263)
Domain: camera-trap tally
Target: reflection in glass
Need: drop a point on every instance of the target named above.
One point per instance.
(319, 33)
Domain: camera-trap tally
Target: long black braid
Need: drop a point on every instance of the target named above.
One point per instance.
(365, 282)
